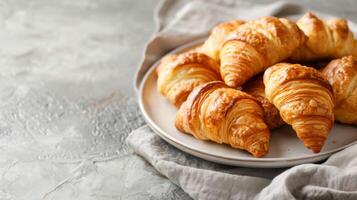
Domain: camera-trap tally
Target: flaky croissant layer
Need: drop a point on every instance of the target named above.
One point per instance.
(305, 101)
(179, 74)
(256, 45)
(213, 44)
(256, 88)
(326, 39)
(342, 75)
(221, 114)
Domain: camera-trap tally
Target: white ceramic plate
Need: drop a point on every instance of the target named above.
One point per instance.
(285, 148)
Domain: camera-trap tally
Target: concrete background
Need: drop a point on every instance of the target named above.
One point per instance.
(67, 101)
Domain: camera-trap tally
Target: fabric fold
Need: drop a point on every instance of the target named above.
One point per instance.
(334, 179)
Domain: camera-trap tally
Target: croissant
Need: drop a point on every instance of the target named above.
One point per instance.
(256, 88)
(256, 45)
(215, 112)
(305, 101)
(326, 39)
(213, 44)
(342, 75)
(179, 74)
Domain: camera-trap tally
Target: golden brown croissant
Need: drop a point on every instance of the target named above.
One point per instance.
(256, 88)
(305, 101)
(213, 44)
(326, 39)
(179, 74)
(214, 111)
(256, 45)
(342, 75)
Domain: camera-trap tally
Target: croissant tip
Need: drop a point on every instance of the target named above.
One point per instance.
(259, 154)
(313, 135)
(316, 146)
(315, 149)
(259, 149)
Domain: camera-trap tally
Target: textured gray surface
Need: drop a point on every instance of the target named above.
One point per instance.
(67, 101)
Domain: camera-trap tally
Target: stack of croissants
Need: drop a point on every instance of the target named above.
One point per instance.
(249, 77)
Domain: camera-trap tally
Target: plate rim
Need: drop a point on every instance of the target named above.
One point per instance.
(158, 130)
(162, 133)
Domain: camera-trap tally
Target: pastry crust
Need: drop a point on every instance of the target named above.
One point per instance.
(256, 88)
(342, 75)
(256, 45)
(215, 112)
(305, 101)
(179, 74)
(326, 39)
(213, 44)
